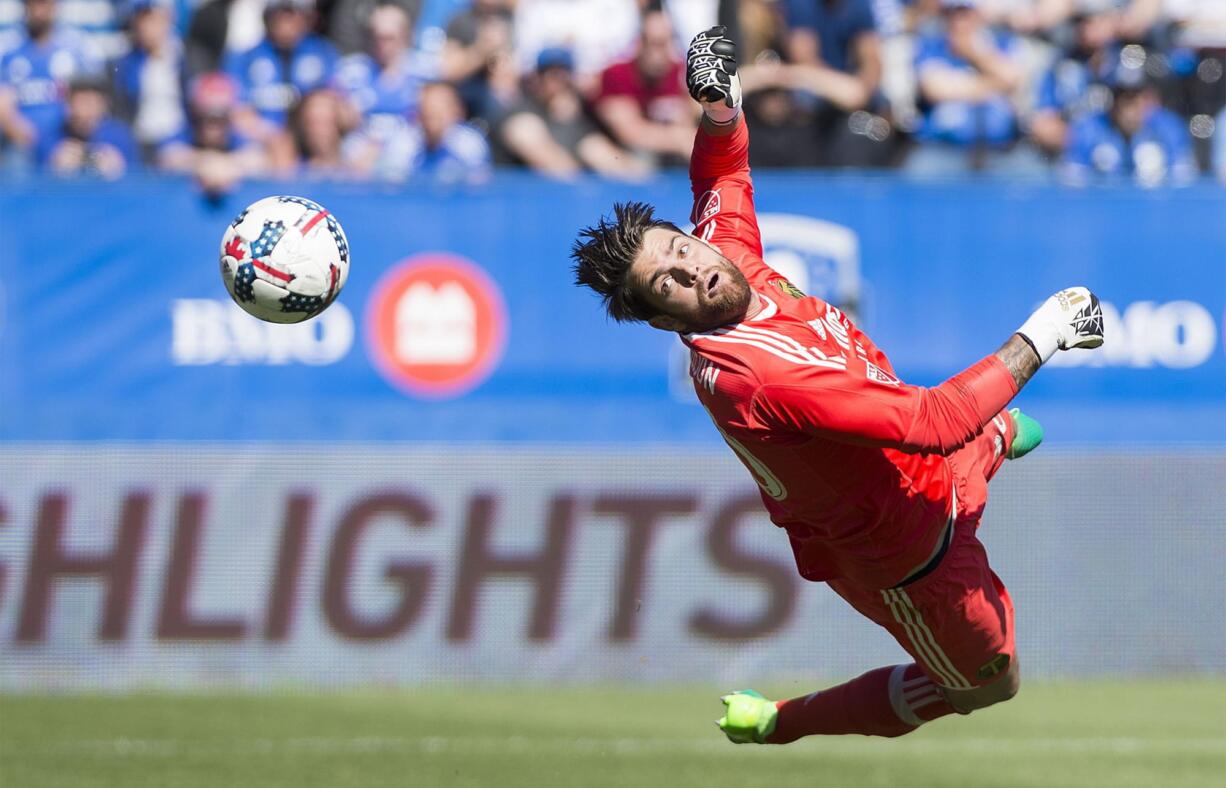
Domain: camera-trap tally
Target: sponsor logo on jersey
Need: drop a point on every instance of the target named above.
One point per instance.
(817, 257)
(436, 325)
(207, 331)
(879, 375)
(788, 288)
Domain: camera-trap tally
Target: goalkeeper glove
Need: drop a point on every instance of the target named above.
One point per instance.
(710, 75)
(749, 718)
(1071, 318)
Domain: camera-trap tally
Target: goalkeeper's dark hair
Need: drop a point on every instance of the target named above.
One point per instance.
(604, 252)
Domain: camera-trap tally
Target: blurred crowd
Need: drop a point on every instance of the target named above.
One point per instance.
(445, 90)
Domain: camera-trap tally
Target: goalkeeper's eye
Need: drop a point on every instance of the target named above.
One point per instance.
(665, 286)
(685, 249)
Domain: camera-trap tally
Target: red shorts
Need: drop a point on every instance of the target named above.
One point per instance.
(957, 620)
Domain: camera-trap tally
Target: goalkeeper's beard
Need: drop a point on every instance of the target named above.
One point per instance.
(728, 304)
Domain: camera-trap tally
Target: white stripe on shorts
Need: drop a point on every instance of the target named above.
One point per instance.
(921, 638)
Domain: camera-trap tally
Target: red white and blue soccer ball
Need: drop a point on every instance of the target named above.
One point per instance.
(284, 259)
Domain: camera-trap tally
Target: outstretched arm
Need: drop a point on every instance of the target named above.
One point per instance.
(723, 213)
(1020, 359)
(859, 405)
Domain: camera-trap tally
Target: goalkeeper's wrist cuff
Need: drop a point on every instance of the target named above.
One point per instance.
(1041, 336)
(722, 115)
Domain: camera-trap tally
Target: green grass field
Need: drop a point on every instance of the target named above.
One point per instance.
(1150, 735)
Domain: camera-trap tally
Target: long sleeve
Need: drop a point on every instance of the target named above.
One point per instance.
(724, 212)
(852, 408)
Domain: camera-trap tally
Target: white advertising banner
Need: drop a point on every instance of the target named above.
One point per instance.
(188, 566)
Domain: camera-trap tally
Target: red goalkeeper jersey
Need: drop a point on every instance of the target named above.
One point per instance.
(850, 460)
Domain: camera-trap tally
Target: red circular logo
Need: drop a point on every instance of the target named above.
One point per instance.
(436, 325)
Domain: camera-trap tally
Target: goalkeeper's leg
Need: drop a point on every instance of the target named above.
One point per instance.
(956, 623)
(889, 701)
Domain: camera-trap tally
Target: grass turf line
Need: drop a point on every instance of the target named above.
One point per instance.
(1152, 733)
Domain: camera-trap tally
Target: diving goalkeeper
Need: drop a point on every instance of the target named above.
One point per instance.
(879, 485)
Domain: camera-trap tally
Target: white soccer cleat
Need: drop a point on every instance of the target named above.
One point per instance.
(1072, 318)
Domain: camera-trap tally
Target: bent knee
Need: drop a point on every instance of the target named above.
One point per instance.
(1003, 689)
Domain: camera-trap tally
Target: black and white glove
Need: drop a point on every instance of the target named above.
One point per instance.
(1070, 319)
(710, 75)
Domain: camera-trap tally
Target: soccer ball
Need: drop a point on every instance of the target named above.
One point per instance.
(284, 259)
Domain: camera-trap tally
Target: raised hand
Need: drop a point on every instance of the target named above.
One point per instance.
(710, 74)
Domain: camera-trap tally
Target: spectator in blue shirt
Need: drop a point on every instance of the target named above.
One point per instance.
(441, 147)
(1072, 86)
(88, 141)
(318, 127)
(966, 77)
(1136, 137)
(383, 86)
(35, 74)
(840, 35)
(478, 56)
(211, 149)
(835, 55)
(290, 62)
(148, 81)
(445, 147)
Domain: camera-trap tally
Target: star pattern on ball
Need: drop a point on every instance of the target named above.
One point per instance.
(314, 206)
(244, 278)
(342, 246)
(239, 219)
(269, 235)
(300, 303)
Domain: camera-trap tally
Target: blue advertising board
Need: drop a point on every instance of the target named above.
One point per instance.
(114, 325)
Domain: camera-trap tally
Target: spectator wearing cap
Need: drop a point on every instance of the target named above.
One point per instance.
(290, 62)
(88, 141)
(211, 149)
(643, 102)
(383, 86)
(550, 129)
(34, 77)
(148, 80)
(835, 56)
(440, 147)
(1135, 138)
(967, 75)
(478, 57)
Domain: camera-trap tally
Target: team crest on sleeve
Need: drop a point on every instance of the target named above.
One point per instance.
(708, 205)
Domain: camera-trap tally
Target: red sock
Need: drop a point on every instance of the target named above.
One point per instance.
(883, 702)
